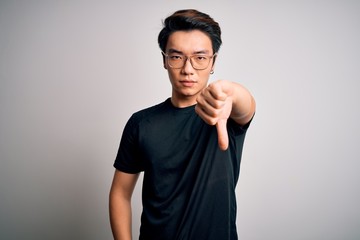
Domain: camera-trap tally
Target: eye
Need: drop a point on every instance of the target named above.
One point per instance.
(201, 58)
(175, 57)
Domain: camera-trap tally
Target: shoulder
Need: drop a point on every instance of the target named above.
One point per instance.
(236, 129)
(148, 113)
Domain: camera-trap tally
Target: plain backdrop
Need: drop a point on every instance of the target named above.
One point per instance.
(72, 73)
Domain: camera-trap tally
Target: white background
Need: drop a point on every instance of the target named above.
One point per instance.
(72, 73)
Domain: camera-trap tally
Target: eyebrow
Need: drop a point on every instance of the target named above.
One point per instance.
(171, 50)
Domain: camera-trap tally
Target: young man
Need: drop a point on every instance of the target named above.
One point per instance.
(189, 147)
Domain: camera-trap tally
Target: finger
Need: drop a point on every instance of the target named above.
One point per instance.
(204, 116)
(217, 93)
(223, 138)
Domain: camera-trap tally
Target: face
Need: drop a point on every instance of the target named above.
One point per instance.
(188, 82)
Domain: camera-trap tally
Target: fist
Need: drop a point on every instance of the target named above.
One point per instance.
(214, 105)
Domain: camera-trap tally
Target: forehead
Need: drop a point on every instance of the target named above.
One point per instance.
(189, 42)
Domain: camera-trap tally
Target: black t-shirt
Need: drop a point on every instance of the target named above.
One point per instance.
(189, 183)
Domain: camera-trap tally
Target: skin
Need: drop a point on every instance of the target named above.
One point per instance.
(120, 204)
(187, 83)
(215, 104)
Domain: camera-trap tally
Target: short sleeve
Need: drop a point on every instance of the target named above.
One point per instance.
(235, 129)
(128, 158)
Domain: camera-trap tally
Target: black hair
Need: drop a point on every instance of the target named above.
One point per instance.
(187, 20)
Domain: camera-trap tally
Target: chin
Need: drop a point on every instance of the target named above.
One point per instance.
(189, 93)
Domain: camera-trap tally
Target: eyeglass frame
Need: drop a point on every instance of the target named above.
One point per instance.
(189, 58)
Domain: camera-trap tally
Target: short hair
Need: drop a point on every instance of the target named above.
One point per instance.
(187, 20)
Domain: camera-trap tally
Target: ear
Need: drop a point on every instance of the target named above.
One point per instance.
(215, 57)
(164, 62)
(213, 63)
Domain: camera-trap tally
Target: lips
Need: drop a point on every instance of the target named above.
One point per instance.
(188, 83)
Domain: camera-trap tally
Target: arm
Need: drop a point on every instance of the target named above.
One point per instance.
(120, 204)
(243, 104)
(222, 100)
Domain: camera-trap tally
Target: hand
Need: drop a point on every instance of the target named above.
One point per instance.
(214, 105)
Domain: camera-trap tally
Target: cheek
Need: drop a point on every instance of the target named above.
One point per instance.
(205, 75)
(172, 75)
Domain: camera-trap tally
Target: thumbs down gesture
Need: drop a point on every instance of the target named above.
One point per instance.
(214, 106)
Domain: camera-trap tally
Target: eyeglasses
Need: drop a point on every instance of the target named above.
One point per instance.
(198, 61)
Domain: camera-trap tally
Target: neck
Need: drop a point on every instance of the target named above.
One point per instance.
(184, 102)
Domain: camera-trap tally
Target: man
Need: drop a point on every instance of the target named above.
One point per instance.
(189, 147)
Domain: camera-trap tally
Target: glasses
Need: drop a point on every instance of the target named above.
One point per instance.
(198, 61)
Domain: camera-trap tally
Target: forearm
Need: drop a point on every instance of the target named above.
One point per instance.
(243, 104)
(120, 217)
(120, 204)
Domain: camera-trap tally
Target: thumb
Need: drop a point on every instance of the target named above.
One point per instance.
(223, 139)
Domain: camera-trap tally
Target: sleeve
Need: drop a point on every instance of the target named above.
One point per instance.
(235, 129)
(237, 135)
(128, 157)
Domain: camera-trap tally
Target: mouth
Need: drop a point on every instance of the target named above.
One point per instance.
(188, 83)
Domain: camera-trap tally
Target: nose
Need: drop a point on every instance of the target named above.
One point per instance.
(188, 68)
